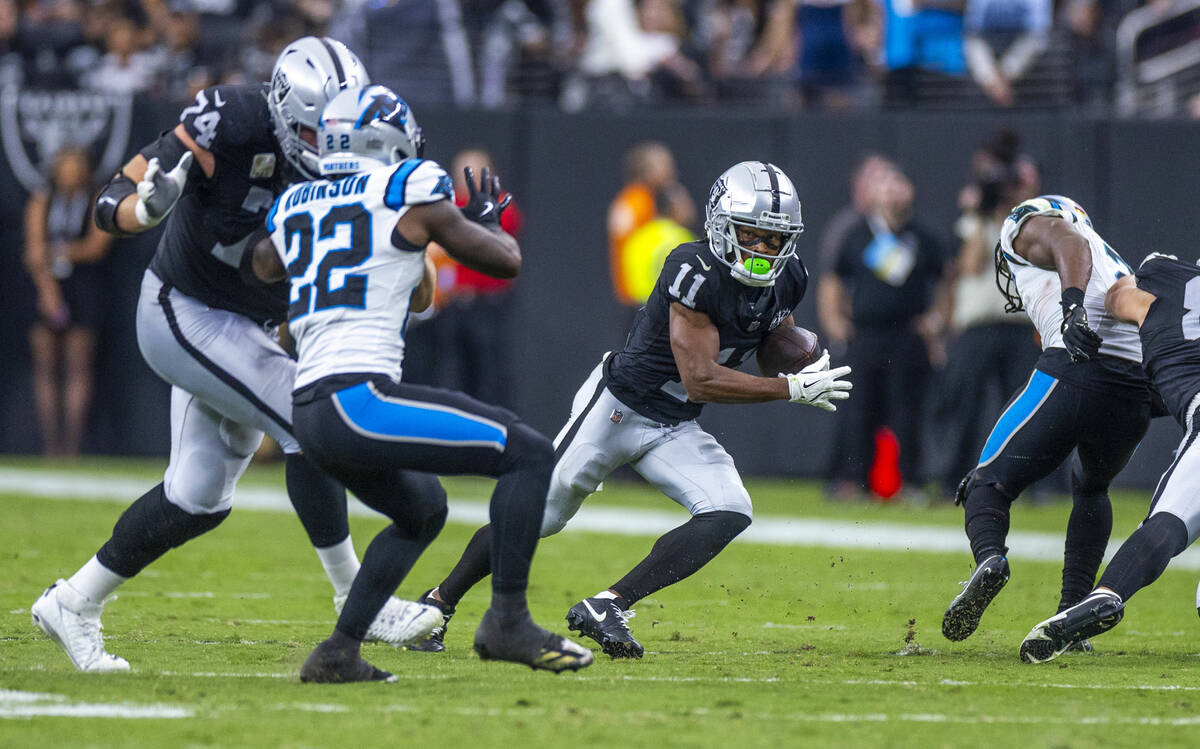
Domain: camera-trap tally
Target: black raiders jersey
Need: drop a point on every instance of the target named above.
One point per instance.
(1171, 331)
(643, 375)
(207, 232)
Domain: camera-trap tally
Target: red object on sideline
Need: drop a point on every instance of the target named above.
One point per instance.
(884, 478)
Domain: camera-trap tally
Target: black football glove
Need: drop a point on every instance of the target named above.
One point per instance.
(484, 205)
(964, 487)
(1081, 341)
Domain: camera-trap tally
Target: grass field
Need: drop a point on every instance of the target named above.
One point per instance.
(770, 645)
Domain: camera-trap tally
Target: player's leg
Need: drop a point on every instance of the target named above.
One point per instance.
(79, 347)
(689, 466)
(208, 454)
(415, 503)
(1035, 432)
(234, 366)
(589, 447)
(1111, 431)
(44, 350)
(446, 432)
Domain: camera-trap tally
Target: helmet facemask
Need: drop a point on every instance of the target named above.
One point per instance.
(758, 196)
(308, 73)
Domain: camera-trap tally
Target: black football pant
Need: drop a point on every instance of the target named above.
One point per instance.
(384, 440)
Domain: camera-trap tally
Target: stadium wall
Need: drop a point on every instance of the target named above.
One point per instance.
(1138, 180)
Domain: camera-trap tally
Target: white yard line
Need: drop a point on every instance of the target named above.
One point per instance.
(631, 521)
(16, 704)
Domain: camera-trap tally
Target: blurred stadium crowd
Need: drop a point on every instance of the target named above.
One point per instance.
(621, 54)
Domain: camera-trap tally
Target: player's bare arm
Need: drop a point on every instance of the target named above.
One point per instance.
(471, 235)
(152, 184)
(695, 343)
(1049, 242)
(1126, 302)
(423, 295)
(268, 266)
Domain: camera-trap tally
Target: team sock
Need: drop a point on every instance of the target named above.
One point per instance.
(1088, 530)
(1144, 556)
(319, 501)
(681, 552)
(986, 511)
(474, 565)
(341, 565)
(94, 581)
(149, 528)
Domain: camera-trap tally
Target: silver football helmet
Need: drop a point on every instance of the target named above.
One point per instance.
(308, 73)
(365, 127)
(756, 195)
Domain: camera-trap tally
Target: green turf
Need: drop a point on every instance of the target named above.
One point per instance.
(778, 646)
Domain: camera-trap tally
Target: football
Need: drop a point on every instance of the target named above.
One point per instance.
(787, 349)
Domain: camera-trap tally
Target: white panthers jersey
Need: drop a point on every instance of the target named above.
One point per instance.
(1041, 290)
(350, 285)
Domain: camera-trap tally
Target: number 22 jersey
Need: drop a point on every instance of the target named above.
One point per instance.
(350, 284)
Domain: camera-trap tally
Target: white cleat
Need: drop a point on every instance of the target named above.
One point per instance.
(73, 622)
(399, 623)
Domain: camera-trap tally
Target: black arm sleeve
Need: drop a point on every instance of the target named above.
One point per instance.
(169, 149)
(105, 215)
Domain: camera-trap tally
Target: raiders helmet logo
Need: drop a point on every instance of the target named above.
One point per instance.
(718, 190)
(280, 86)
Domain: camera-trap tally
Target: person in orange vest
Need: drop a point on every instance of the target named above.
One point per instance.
(651, 190)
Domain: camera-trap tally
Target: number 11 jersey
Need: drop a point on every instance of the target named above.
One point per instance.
(351, 285)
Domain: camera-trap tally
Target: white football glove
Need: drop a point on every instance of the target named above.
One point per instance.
(159, 191)
(818, 385)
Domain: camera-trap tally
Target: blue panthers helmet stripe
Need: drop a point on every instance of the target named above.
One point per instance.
(393, 197)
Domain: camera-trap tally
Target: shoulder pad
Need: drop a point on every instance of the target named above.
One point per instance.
(417, 181)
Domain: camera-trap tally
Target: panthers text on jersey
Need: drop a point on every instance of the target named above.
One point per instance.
(1041, 290)
(1171, 332)
(350, 285)
(208, 231)
(643, 374)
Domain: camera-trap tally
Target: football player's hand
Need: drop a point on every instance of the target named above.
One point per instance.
(964, 487)
(818, 385)
(1081, 341)
(159, 191)
(484, 205)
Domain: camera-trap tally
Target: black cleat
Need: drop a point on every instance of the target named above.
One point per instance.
(527, 643)
(965, 611)
(329, 664)
(1099, 612)
(435, 643)
(605, 622)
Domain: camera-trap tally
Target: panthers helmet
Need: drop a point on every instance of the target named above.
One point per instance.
(362, 128)
(758, 195)
(308, 73)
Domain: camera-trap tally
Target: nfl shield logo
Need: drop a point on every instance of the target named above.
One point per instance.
(616, 416)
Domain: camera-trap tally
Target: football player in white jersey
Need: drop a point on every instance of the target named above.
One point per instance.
(353, 246)
(205, 325)
(1087, 393)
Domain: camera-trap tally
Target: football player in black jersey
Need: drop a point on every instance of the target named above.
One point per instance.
(711, 307)
(205, 324)
(1160, 300)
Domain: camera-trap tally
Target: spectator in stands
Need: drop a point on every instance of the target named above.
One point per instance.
(124, 68)
(415, 47)
(884, 281)
(1092, 29)
(992, 352)
(51, 44)
(727, 33)
(920, 37)
(823, 45)
(631, 55)
(651, 184)
(1002, 40)
(469, 341)
(832, 310)
(63, 250)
